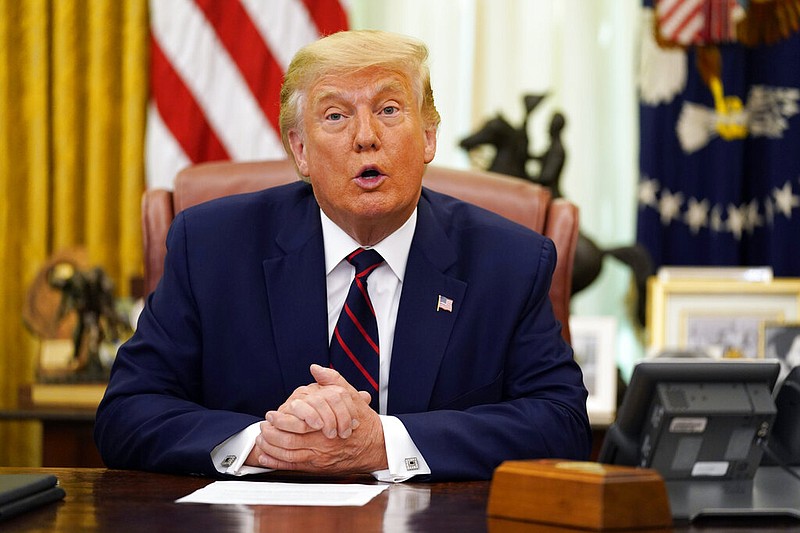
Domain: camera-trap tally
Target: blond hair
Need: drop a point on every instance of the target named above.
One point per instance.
(350, 51)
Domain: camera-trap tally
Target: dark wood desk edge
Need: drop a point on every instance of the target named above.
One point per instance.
(134, 501)
(119, 497)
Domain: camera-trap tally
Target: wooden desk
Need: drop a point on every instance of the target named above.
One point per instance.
(124, 501)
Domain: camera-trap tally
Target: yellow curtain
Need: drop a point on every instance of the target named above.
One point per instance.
(73, 96)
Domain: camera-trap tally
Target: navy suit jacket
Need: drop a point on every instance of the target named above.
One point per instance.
(241, 313)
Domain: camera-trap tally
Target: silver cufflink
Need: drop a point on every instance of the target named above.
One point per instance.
(228, 461)
(412, 463)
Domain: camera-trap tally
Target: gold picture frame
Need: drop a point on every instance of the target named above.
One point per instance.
(720, 318)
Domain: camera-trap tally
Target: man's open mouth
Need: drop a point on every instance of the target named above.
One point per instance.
(370, 173)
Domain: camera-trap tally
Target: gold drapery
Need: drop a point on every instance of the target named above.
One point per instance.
(73, 97)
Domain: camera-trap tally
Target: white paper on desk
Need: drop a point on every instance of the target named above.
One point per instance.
(269, 493)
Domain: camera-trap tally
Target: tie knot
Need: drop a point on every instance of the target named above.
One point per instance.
(365, 261)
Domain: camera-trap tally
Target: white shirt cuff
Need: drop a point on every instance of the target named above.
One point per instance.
(404, 458)
(229, 457)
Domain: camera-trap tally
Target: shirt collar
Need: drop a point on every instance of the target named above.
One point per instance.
(394, 249)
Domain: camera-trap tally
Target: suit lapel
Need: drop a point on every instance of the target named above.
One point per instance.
(422, 331)
(295, 280)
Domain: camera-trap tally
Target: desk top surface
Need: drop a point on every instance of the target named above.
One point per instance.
(123, 501)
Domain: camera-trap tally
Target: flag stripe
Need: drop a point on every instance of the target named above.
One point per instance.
(686, 14)
(296, 30)
(666, 8)
(217, 68)
(690, 31)
(165, 157)
(328, 15)
(215, 82)
(247, 49)
(180, 112)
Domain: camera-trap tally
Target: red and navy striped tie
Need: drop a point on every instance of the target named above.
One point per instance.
(354, 347)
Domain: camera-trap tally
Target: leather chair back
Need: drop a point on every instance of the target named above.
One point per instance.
(523, 202)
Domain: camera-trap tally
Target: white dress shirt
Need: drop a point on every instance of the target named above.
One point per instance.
(384, 286)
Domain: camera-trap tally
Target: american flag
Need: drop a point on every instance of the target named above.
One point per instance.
(216, 71)
(691, 22)
(444, 304)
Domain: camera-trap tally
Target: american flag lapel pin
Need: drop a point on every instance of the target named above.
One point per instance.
(444, 304)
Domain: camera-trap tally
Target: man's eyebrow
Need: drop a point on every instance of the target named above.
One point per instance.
(327, 94)
(393, 86)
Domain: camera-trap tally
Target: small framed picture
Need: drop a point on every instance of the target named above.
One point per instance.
(781, 341)
(734, 335)
(717, 317)
(593, 341)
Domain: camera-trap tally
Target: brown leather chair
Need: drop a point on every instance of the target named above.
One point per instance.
(521, 201)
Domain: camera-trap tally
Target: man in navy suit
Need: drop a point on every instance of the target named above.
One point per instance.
(229, 371)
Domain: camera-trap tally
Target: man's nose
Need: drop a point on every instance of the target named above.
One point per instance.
(366, 135)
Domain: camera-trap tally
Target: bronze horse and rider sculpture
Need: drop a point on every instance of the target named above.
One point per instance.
(512, 158)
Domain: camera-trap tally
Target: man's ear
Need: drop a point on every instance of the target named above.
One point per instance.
(299, 152)
(430, 143)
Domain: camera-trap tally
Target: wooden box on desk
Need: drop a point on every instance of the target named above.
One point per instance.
(580, 495)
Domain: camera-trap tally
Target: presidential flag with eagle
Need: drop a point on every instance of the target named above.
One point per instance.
(720, 133)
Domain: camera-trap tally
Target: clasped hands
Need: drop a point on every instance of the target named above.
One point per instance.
(324, 427)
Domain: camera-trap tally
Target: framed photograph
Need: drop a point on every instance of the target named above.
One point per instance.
(719, 318)
(593, 341)
(781, 341)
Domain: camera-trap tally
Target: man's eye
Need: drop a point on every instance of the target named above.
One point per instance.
(391, 110)
(335, 116)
